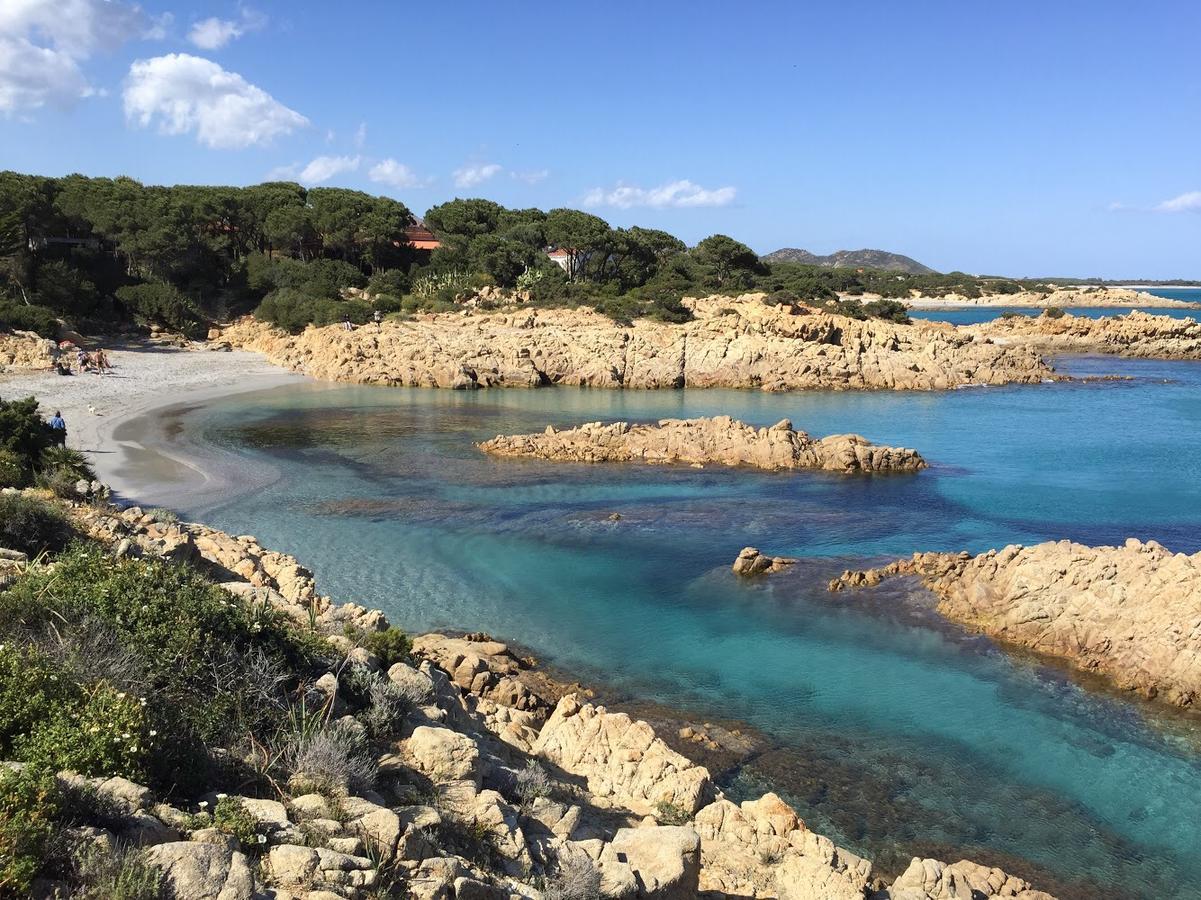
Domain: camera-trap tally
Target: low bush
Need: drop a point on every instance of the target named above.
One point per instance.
(14, 471)
(531, 783)
(577, 878)
(890, 310)
(1054, 312)
(390, 646)
(29, 803)
(209, 665)
(229, 816)
(328, 759)
(162, 303)
(118, 874)
(387, 706)
(32, 526)
(670, 814)
(53, 722)
(19, 317)
(294, 310)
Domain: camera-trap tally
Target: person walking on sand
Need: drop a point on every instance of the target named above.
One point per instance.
(58, 429)
(102, 364)
(378, 318)
(346, 323)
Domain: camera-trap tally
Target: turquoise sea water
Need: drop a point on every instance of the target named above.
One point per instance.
(894, 732)
(987, 314)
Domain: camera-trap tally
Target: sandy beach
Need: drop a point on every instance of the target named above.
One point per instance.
(108, 417)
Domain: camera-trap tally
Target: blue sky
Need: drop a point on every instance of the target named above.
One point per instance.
(1018, 138)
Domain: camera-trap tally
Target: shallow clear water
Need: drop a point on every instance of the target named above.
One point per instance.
(896, 733)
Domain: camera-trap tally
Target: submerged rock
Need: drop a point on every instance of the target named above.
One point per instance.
(720, 440)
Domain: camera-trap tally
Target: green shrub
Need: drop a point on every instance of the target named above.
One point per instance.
(890, 310)
(22, 431)
(29, 801)
(785, 297)
(670, 814)
(163, 303)
(230, 816)
(293, 310)
(14, 471)
(211, 666)
(66, 460)
(392, 282)
(390, 646)
(1054, 312)
(32, 526)
(53, 722)
(19, 317)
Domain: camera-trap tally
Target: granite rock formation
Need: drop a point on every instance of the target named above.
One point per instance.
(1136, 334)
(737, 343)
(719, 440)
(1131, 613)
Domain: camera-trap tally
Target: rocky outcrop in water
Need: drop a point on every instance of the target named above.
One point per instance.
(1136, 334)
(751, 562)
(738, 343)
(719, 440)
(1129, 613)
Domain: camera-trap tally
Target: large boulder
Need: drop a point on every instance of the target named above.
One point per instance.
(622, 759)
(662, 862)
(202, 871)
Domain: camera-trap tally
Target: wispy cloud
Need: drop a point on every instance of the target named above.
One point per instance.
(470, 176)
(323, 168)
(531, 177)
(187, 94)
(214, 33)
(679, 194)
(1188, 202)
(360, 136)
(396, 175)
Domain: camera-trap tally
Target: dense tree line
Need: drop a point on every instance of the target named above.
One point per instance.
(99, 251)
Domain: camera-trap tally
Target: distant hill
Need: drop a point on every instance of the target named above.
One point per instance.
(852, 259)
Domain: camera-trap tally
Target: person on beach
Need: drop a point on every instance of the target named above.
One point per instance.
(83, 360)
(102, 365)
(346, 323)
(378, 318)
(58, 428)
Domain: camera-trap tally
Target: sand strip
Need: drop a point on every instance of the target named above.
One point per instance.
(132, 457)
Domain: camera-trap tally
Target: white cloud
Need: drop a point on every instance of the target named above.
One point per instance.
(1190, 202)
(360, 136)
(43, 42)
(323, 168)
(531, 177)
(185, 93)
(470, 176)
(214, 33)
(396, 174)
(673, 194)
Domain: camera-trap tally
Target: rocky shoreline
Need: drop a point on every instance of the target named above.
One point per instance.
(616, 807)
(1131, 614)
(717, 440)
(732, 342)
(1136, 334)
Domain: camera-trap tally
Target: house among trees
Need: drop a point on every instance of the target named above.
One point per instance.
(566, 259)
(421, 238)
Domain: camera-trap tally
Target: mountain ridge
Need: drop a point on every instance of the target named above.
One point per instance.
(852, 259)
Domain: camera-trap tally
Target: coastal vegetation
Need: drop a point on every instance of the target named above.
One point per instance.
(105, 253)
